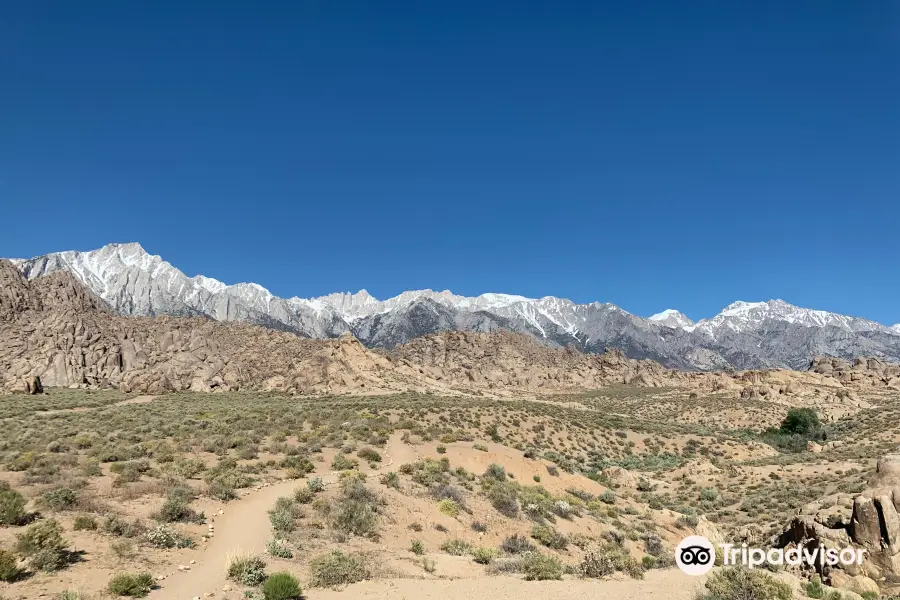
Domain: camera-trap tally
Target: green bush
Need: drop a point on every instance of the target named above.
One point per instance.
(417, 547)
(60, 499)
(369, 455)
(391, 480)
(44, 546)
(175, 508)
(815, 589)
(484, 556)
(503, 497)
(549, 537)
(737, 583)
(801, 421)
(281, 586)
(135, 585)
(541, 567)
(9, 567)
(517, 544)
(342, 462)
(456, 547)
(247, 570)
(357, 512)
(304, 495)
(278, 549)
(12, 506)
(315, 484)
(85, 523)
(448, 507)
(336, 568)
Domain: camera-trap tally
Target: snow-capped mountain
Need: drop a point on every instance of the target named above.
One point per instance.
(743, 335)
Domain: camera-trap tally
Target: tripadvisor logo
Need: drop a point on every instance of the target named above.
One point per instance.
(696, 555)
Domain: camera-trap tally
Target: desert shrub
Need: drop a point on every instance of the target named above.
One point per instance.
(686, 521)
(357, 511)
(175, 508)
(342, 462)
(119, 527)
(221, 489)
(517, 544)
(479, 527)
(653, 545)
(84, 523)
(607, 497)
(541, 567)
(278, 549)
(369, 455)
(441, 449)
(283, 514)
(456, 547)
(417, 547)
(247, 570)
(12, 506)
(9, 567)
(281, 586)
(495, 472)
(135, 585)
(60, 499)
(44, 546)
(562, 509)
(553, 470)
(736, 583)
(595, 565)
(801, 421)
(298, 466)
(484, 556)
(304, 495)
(391, 479)
(503, 498)
(549, 537)
(164, 536)
(336, 568)
(315, 485)
(814, 588)
(448, 507)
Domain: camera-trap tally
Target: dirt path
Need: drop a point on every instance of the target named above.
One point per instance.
(245, 529)
(657, 585)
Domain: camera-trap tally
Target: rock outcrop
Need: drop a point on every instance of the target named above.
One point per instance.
(870, 521)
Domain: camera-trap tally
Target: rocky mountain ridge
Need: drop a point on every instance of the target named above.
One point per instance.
(744, 335)
(54, 329)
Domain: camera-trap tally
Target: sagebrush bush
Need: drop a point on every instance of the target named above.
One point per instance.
(44, 545)
(484, 556)
(517, 544)
(9, 567)
(278, 549)
(737, 583)
(541, 567)
(281, 586)
(247, 570)
(369, 455)
(85, 523)
(595, 564)
(356, 512)
(342, 462)
(456, 547)
(549, 537)
(12, 506)
(448, 507)
(175, 508)
(136, 585)
(336, 568)
(60, 499)
(417, 547)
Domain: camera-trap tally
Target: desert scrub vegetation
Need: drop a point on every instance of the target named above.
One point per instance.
(540, 567)
(736, 583)
(12, 506)
(336, 568)
(133, 585)
(9, 567)
(44, 546)
(281, 586)
(176, 509)
(247, 570)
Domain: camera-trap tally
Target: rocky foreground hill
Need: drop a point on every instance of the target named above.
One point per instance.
(54, 329)
(745, 335)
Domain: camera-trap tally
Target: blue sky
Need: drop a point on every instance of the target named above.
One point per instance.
(654, 154)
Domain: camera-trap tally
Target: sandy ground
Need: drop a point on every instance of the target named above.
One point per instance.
(660, 585)
(245, 529)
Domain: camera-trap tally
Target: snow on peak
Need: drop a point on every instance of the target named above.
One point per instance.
(672, 318)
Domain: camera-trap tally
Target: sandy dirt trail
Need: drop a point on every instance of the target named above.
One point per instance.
(245, 529)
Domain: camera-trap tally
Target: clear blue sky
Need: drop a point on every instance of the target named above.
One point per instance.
(650, 154)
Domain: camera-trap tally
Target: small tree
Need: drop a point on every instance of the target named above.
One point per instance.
(801, 421)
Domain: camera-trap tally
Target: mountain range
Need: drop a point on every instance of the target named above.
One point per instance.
(745, 335)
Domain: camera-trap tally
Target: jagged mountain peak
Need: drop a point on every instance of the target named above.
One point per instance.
(743, 335)
(672, 318)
